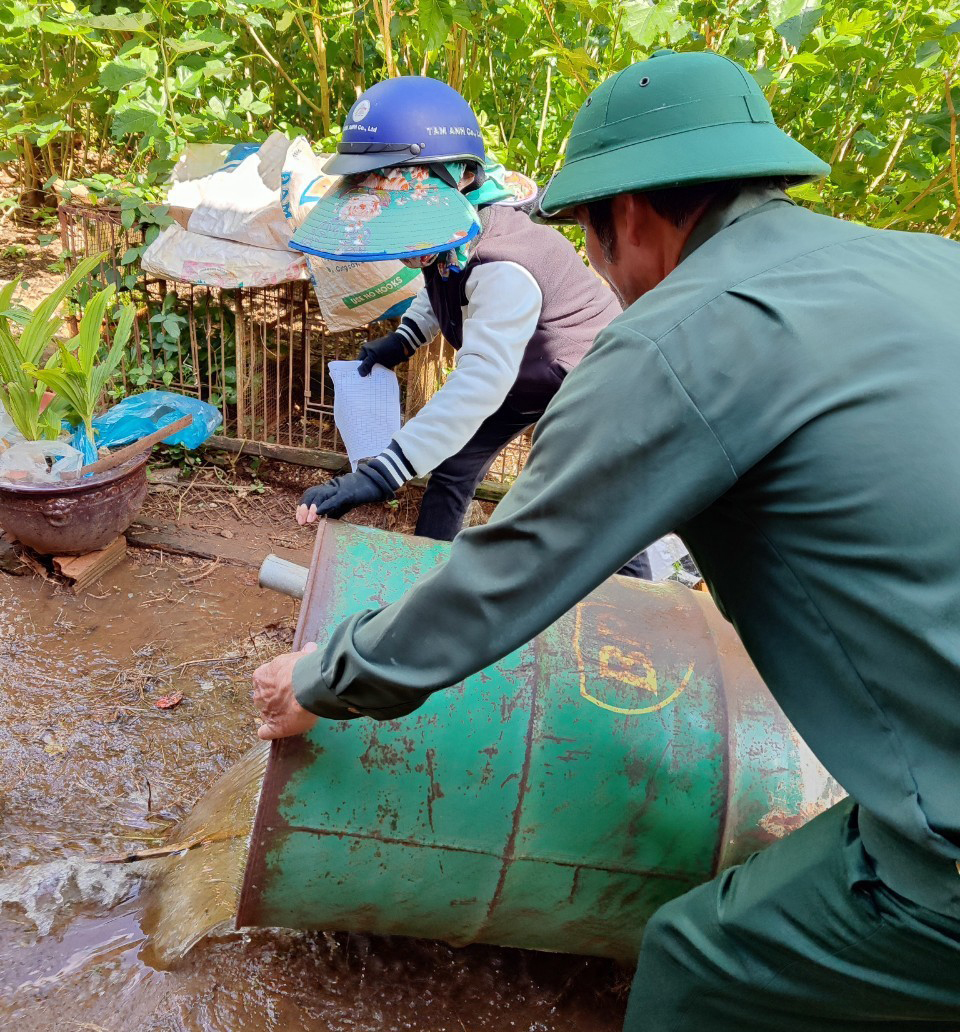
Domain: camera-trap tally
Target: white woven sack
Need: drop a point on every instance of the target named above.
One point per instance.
(191, 258)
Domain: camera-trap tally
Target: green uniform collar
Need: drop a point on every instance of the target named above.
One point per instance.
(720, 216)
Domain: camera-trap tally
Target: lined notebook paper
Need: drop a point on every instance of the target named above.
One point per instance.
(366, 409)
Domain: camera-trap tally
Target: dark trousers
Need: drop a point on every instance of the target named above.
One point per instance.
(803, 937)
(453, 483)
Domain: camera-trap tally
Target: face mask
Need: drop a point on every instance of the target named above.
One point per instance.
(420, 262)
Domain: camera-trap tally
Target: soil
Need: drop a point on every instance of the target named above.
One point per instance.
(252, 501)
(93, 765)
(88, 756)
(30, 249)
(245, 496)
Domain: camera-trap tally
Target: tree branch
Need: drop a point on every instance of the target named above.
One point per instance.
(279, 67)
(955, 182)
(580, 79)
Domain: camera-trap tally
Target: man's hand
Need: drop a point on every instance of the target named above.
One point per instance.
(282, 715)
(343, 494)
(387, 351)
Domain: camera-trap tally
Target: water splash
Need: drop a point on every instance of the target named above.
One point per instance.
(187, 893)
(195, 892)
(49, 894)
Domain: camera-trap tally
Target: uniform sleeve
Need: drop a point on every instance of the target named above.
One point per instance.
(621, 456)
(503, 308)
(419, 323)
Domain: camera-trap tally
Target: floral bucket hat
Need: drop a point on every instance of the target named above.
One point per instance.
(402, 213)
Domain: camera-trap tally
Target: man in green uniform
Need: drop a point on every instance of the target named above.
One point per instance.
(782, 391)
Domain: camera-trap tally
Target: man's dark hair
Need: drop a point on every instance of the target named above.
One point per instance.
(676, 204)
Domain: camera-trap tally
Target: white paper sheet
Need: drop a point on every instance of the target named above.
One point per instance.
(663, 554)
(366, 409)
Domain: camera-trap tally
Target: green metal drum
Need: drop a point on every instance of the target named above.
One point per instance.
(554, 800)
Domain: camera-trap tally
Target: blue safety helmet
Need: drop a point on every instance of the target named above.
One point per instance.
(410, 120)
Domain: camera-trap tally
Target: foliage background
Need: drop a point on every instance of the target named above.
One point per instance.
(107, 93)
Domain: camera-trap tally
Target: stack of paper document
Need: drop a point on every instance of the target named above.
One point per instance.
(366, 409)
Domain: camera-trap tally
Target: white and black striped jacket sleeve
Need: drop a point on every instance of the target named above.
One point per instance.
(419, 325)
(504, 303)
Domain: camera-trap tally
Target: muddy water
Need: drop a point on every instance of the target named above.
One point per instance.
(195, 891)
(89, 766)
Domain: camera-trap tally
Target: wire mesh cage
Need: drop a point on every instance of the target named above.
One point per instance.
(260, 354)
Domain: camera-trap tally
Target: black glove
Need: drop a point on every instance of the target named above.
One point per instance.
(344, 493)
(387, 351)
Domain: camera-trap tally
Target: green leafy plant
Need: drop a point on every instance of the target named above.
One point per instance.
(79, 376)
(106, 95)
(178, 455)
(23, 348)
(21, 395)
(166, 327)
(162, 354)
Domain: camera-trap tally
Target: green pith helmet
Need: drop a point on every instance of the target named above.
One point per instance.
(672, 120)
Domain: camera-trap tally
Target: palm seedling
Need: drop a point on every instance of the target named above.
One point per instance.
(21, 392)
(76, 373)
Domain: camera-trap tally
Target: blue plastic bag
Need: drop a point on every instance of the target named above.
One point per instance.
(81, 442)
(136, 417)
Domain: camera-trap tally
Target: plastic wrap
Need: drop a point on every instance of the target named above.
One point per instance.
(40, 462)
(140, 415)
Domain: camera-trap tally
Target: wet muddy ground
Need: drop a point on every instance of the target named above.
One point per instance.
(89, 766)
